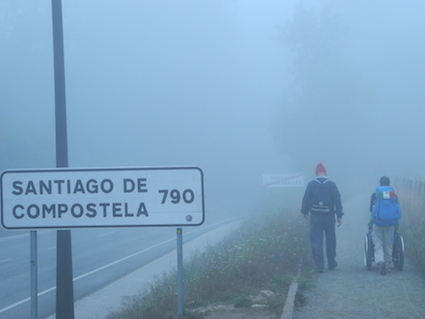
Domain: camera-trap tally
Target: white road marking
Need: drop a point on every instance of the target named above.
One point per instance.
(106, 234)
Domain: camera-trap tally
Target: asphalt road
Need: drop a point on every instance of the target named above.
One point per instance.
(100, 257)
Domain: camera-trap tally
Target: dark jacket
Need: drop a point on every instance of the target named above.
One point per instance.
(330, 189)
(372, 201)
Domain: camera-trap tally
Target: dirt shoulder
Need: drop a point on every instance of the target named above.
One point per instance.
(351, 291)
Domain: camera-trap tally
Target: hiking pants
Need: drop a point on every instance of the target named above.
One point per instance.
(319, 224)
(382, 237)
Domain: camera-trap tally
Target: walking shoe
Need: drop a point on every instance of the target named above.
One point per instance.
(382, 268)
(333, 266)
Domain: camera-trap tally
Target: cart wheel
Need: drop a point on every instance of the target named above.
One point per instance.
(367, 253)
(398, 252)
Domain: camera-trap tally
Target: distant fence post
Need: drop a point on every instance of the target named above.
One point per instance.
(409, 185)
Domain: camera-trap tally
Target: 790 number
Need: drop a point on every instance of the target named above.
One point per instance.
(188, 196)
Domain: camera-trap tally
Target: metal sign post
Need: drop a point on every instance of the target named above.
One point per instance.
(34, 268)
(101, 197)
(180, 280)
(64, 283)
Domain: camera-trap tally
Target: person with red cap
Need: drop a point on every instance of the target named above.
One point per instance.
(323, 201)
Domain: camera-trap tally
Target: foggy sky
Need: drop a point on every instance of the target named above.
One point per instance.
(205, 83)
(367, 119)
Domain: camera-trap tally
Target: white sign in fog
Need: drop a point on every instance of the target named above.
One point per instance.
(283, 180)
(112, 197)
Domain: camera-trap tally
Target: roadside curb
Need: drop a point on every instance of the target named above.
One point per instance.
(288, 308)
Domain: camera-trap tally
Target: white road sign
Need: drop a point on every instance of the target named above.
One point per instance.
(110, 197)
(283, 180)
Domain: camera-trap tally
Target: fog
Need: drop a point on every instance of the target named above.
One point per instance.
(238, 88)
(357, 75)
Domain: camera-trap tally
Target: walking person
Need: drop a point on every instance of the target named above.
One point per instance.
(323, 200)
(386, 213)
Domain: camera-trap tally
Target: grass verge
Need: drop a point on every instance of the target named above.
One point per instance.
(412, 226)
(264, 254)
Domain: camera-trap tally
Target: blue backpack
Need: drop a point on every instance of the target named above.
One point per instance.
(386, 209)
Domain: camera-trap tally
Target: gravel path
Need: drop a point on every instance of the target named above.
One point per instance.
(351, 291)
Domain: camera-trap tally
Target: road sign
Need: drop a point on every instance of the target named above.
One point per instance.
(283, 180)
(102, 197)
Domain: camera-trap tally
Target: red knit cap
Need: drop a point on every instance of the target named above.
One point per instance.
(320, 168)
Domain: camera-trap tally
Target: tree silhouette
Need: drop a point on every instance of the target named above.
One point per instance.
(319, 115)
